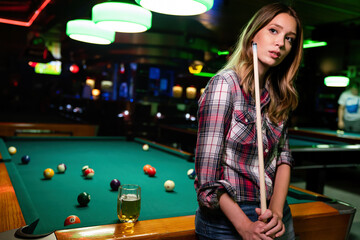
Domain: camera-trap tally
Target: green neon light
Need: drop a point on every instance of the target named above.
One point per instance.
(122, 17)
(204, 74)
(223, 53)
(177, 7)
(336, 81)
(86, 31)
(311, 44)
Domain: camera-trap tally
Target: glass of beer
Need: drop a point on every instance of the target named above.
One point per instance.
(128, 203)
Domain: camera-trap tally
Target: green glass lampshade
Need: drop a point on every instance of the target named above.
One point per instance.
(86, 31)
(177, 7)
(121, 17)
(336, 81)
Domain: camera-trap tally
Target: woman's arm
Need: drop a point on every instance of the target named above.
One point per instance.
(214, 117)
(275, 226)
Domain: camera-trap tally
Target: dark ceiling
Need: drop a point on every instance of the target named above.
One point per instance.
(171, 39)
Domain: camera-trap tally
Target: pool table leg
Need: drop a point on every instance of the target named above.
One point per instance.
(315, 180)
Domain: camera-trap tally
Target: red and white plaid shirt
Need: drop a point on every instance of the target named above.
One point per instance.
(226, 151)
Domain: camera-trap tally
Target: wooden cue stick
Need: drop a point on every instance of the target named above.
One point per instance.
(259, 132)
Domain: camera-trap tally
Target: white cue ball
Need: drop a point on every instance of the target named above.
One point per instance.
(12, 150)
(61, 168)
(169, 185)
(145, 147)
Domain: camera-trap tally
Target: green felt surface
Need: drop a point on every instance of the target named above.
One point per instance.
(53, 200)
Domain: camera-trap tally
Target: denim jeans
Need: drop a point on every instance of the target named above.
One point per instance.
(211, 227)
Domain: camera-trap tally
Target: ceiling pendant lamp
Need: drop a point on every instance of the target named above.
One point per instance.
(121, 17)
(86, 31)
(177, 7)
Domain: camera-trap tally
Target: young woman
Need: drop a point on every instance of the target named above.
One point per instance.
(226, 161)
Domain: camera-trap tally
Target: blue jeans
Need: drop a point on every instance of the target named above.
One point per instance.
(217, 226)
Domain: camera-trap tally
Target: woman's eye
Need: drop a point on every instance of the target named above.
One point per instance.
(272, 30)
(290, 39)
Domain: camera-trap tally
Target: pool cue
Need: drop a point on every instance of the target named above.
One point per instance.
(259, 132)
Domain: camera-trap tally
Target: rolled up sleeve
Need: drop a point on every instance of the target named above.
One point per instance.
(285, 152)
(214, 115)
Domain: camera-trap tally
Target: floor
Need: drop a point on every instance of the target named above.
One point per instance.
(342, 184)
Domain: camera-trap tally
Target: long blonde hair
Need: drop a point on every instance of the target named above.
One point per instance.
(283, 94)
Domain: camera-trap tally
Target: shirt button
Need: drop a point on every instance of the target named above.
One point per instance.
(266, 150)
(263, 131)
(246, 120)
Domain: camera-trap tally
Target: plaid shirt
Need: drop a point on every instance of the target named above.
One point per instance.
(226, 151)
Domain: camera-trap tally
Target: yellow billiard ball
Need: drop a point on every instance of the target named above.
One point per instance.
(12, 150)
(48, 173)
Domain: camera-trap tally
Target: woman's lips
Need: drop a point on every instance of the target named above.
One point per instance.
(274, 54)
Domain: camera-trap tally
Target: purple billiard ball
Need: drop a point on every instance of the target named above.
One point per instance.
(115, 184)
(25, 159)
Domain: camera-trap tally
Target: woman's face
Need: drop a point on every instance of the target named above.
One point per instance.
(274, 41)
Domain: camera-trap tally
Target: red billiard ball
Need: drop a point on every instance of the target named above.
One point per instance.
(115, 184)
(71, 220)
(151, 171)
(89, 173)
(146, 168)
(83, 169)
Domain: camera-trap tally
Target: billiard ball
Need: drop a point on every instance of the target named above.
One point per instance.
(48, 173)
(83, 169)
(25, 159)
(12, 150)
(191, 173)
(146, 147)
(83, 198)
(115, 184)
(71, 220)
(151, 171)
(89, 173)
(146, 168)
(169, 185)
(61, 168)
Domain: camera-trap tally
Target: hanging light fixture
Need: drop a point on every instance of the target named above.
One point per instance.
(121, 17)
(336, 81)
(86, 31)
(177, 7)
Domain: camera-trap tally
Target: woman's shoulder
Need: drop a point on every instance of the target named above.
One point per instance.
(228, 75)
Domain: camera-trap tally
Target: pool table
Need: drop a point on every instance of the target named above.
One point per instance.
(314, 150)
(326, 134)
(25, 196)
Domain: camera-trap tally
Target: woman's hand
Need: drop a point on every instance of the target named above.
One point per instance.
(254, 231)
(274, 225)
